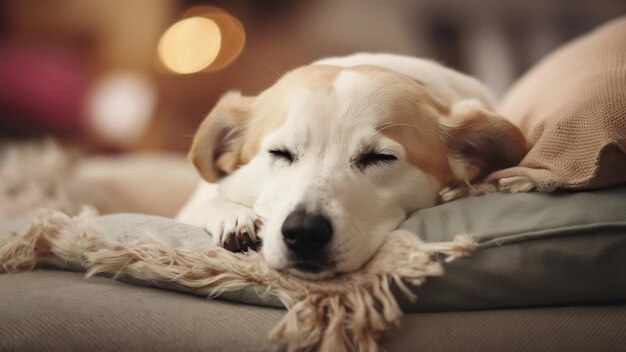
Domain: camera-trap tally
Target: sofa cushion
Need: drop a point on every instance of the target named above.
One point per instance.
(61, 311)
(534, 249)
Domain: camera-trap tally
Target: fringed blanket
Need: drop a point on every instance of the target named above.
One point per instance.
(348, 312)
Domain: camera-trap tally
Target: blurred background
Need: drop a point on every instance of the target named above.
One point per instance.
(135, 75)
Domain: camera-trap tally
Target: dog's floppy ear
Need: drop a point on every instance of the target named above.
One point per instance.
(217, 145)
(481, 140)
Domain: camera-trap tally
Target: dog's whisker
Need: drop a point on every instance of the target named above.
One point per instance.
(266, 65)
(384, 127)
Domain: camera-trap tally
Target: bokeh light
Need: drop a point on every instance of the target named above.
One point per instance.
(190, 45)
(120, 107)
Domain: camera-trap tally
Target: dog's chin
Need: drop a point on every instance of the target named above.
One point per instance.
(310, 273)
(315, 270)
(310, 270)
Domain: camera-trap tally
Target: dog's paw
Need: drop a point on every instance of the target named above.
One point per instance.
(236, 229)
(449, 194)
(483, 188)
(516, 184)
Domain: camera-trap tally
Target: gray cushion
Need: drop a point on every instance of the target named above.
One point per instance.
(535, 249)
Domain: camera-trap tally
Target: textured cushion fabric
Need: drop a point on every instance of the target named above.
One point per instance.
(61, 311)
(572, 107)
(534, 249)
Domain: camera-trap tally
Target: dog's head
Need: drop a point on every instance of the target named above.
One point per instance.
(340, 156)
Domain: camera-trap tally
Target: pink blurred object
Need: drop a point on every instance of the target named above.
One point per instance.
(42, 89)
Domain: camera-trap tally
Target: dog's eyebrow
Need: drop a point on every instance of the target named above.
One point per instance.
(373, 147)
(366, 147)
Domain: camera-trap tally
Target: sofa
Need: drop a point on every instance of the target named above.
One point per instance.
(549, 272)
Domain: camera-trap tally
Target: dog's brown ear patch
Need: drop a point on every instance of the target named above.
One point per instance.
(217, 145)
(481, 140)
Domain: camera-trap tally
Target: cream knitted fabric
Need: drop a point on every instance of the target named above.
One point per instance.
(572, 108)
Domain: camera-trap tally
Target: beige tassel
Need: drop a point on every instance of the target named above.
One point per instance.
(345, 313)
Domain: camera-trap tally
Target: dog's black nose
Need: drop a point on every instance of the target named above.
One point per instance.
(306, 233)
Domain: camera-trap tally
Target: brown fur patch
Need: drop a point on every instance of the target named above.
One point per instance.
(232, 133)
(210, 151)
(432, 134)
(269, 113)
(484, 140)
(414, 122)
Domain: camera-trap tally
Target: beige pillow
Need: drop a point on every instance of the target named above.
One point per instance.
(572, 108)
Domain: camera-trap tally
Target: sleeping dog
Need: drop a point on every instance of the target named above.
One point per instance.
(325, 163)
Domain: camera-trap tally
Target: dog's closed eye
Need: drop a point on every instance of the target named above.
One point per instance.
(283, 154)
(371, 158)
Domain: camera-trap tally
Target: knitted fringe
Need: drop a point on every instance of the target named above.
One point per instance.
(345, 313)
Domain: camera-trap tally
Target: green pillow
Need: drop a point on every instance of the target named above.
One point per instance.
(535, 249)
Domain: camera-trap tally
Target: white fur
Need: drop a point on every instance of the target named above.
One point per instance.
(447, 85)
(325, 129)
